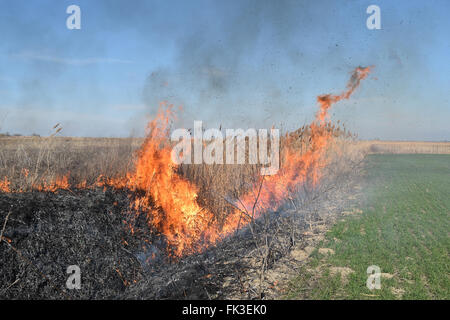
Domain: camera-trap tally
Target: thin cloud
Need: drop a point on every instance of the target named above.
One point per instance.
(68, 61)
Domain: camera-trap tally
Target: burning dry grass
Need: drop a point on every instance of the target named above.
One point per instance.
(167, 194)
(186, 210)
(218, 184)
(50, 164)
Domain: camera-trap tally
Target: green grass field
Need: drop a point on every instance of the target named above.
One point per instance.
(403, 228)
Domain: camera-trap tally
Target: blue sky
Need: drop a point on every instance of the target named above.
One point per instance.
(236, 63)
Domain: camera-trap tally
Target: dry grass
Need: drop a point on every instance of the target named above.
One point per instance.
(30, 161)
(220, 183)
(27, 161)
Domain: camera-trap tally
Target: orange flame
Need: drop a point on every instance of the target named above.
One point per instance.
(170, 201)
(4, 185)
(60, 183)
(297, 168)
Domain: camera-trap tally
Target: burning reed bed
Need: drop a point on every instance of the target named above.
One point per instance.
(166, 214)
(123, 256)
(47, 231)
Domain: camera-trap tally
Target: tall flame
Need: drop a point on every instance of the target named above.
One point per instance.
(170, 201)
(297, 168)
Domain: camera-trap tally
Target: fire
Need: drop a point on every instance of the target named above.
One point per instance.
(4, 185)
(170, 202)
(297, 168)
(60, 183)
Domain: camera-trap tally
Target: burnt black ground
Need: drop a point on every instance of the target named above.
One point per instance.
(50, 231)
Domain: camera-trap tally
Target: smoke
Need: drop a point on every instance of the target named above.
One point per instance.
(213, 74)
